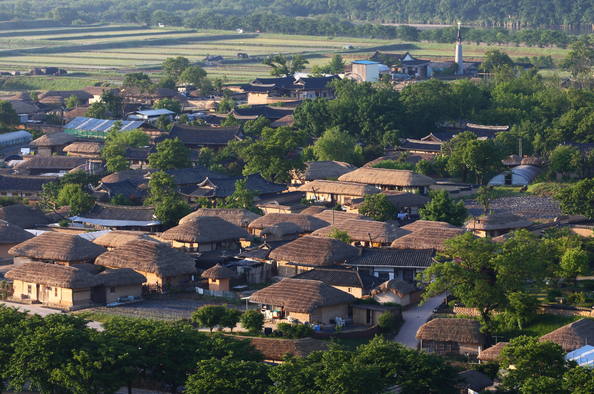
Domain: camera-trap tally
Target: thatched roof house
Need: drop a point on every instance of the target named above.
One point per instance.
(49, 164)
(388, 179)
(51, 143)
(348, 280)
(279, 226)
(115, 239)
(218, 271)
(445, 336)
(429, 238)
(326, 169)
(237, 216)
(161, 264)
(54, 275)
(205, 233)
(492, 354)
(334, 217)
(276, 349)
(84, 149)
(420, 225)
(400, 200)
(336, 191)
(309, 251)
(306, 300)
(23, 216)
(496, 224)
(12, 234)
(57, 247)
(573, 335)
(119, 217)
(365, 232)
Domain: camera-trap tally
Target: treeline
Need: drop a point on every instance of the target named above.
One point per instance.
(519, 13)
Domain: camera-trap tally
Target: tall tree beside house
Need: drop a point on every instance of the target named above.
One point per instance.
(468, 156)
(138, 80)
(242, 197)
(313, 117)
(442, 208)
(171, 153)
(174, 66)
(116, 143)
(114, 103)
(335, 66)
(580, 59)
(377, 207)
(336, 144)
(98, 110)
(252, 320)
(77, 199)
(228, 376)
(209, 316)
(170, 104)
(196, 76)
(494, 59)
(72, 102)
(8, 116)
(564, 160)
(169, 207)
(283, 66)
(578, 198)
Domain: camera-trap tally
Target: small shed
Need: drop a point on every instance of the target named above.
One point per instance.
(219, 277)
(451, 336)
(521, 175)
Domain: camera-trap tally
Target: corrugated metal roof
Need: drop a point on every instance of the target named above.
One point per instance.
(155, 112)
(14, 137)
(101, 125)
(584, 356)
(365, 62)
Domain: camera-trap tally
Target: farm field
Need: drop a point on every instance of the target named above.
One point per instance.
(93, 53)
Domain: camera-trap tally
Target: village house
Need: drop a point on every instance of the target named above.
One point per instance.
(97, 92)
(387, 264)
(137, 158)
(88, 150)
(335, 192)
(369, 233)
(219, 277)
(71, 288)
(496, 224)
(315, 170)
(275, 350)
(11, 235)
(114, 239)
(427, 234)
(119, 217)
(237, 216)
(57, 98)
(56, 248)
(284, 226)
(572, 336)
(51, 143)
(413, 146)
(492, 354)
(305, 301)
(198, 137)
(288, 202)
(388, 179)
(444, 336)
(205, 234)
(306, 253)
(334, 217)
(23, 216)
(353, 282)
(149, 98)
(268, 112)
(163, 267)
(40, 165)
(23, 186)
(397, 291)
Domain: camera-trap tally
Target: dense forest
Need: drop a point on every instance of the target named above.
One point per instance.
(516, 13)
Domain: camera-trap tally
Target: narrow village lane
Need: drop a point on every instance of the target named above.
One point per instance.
(414, 318)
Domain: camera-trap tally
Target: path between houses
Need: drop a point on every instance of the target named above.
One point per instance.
(414, 318)
(41, 311)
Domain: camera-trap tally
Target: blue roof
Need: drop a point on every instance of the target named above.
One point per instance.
(364, 62)
(583, 356)
(156, 112)
(101, 125)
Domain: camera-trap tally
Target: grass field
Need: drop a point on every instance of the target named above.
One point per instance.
(94, 53)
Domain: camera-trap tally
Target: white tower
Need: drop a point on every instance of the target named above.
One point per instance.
(458, 57)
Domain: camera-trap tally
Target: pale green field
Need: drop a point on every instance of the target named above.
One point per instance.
(110, 52)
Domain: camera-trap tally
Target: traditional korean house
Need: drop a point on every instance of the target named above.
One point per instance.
(115, 239)
(313, 87)
(419, 146)
(284, 226)
(288, 202)
(266, 90)
(334, 217)
(388, 179)
(237, 216)
(88, 150)
(368, 233)
(306, 301)
(163, 267)
(52, 143)
(23, 216)
(119, 217)
(195, 137)
(253, 112)
(11, 235)
(23, 186)
(275, 350)
(451, 336)
(306, 253)
(328, 170)
(57, 248)
(204, 234)
(219, 277)
(572, 336)
(39, 165)
(336, 192)
(353, 282)
(426, 234)
(387, 264)
(496, 224)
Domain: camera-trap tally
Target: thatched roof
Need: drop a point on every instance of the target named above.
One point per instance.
(451, 330)
(303, 223)
(149, 256)
(365, 230)
(205, 229)
(395, 285)
(313, 210)
(218, 271)
(53, 139)
(573, 335)
(23, 216)
(497, 221)
(326, 169)
(114, 239)
(236, 216)
(12, 234)
(398, 199)
(276, 349)
(314, 251)
(492, 353)
(57, 246)
(301, 295)
(338, 187)
(430, 238)
(121, 277)
(426, 224)
(84, 147)
(334, 217)
(54, 275)
(385, 176)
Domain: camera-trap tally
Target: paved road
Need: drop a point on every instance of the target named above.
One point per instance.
(41, 311)
(414, 318)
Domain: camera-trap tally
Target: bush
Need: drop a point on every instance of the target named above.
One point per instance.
(252, 320)
(293, 330)
(209, 316)
(64, 223)
(388, 322)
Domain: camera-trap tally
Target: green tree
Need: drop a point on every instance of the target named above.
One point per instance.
(98, 110)
(578, 199)
(531, 360)
(285, 66)
(11, 326)
(442, 208)
(226, 105)
(138, 80)
(426, 103)
(580, 59)
(574, 262)
(579, 380)
(228, 377)
(196, 76)
(484, 196)
(209, 316)
(336, 144)
(340, 235)
(8, 116)
(388, 322)
(377, 207)
(253, 128)
(252, 321)
(521, 309)
(564, 160)
(169, 207)
(76, 198)
(171, 153)
(116, 143)
(230, 318)
(242, 197)
(313, 117)
(174, 66)
(71, 102)
(170, 104)
(494, 59)
(335, 66)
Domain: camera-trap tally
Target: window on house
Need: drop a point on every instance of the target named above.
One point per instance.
(29, 289)
(55, 291)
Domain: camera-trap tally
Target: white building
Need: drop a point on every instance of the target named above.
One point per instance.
(518, 176)
(365, 70)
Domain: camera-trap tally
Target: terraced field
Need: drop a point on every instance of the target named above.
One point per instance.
(108, 52)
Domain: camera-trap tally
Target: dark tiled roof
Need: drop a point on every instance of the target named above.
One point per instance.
(138, 153)
(272, 113)
(120, 212)
(125, 188)
(414, 258)
(410, 144)
(193, 175)
(191, 135)
(224, 186)
(51, 163)
(23, 183)
(338, 277)
(313, 83)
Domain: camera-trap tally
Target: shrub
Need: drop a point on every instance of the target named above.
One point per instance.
(388, 322)
(252, 321)
(209, 316)
(293, 330)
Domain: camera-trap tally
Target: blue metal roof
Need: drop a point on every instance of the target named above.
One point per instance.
(365, 62)
(584, 356)
(155, 112)
(101, 125)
